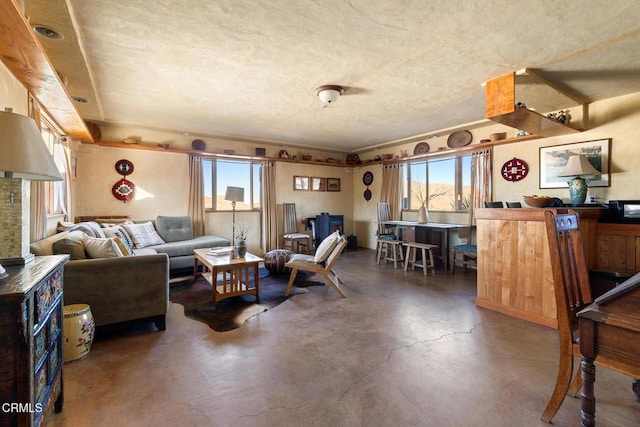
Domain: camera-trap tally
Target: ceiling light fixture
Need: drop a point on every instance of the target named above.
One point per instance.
(80, 99)
(329, 93)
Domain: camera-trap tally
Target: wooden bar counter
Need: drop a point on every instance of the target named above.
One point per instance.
(514, 270)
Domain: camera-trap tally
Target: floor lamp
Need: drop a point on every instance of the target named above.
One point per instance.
(234, 194)
(23, 157)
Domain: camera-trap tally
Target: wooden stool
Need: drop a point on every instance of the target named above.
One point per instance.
(392, 251)
(412, 248)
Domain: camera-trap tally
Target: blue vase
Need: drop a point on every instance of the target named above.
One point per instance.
(577, 190)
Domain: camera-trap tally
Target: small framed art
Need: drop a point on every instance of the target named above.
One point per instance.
(318, 184)
(333, 184)
(301, 183)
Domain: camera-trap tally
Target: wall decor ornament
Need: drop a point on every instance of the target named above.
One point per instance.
(367, 179)
(123, 190)
(124, 167)
(514, 170)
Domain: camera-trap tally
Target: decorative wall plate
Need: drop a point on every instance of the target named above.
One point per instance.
(459, 139)
(514, 170)
(198, 144)
(353, 159)
(367, 178)
(123, 190)
(124, 167)
(367, 194)
(421, 148)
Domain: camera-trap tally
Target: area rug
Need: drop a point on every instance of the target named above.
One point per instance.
(231, 313)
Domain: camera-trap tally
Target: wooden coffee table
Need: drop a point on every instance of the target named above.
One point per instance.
(234, 274)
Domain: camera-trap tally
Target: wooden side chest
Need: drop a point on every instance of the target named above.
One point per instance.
(31, 341)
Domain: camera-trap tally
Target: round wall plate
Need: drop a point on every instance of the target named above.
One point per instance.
(421, 148)
(514, 170)
(123, 190)
(124, 167)
(459, 139)
(198, 144)
(367, 178)
(367, 194)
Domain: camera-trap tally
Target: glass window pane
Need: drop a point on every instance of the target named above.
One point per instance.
(442, 184)
(234, 174)
(256, 185)
(207, 174)
(418, 184)
(465, 196)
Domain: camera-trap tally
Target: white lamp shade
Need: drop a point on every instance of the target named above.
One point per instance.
(23, 153)
(578, 165)
(235, 194)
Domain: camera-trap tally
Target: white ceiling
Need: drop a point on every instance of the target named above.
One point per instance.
(248, 68)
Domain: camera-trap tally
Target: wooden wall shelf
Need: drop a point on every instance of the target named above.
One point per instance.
(501, 108)
(149, 147)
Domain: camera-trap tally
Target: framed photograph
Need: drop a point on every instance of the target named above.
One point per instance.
(333, 184)
(301, 183)
(554, 159)
(318, 184)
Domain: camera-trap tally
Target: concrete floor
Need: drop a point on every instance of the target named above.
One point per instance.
(401, 350)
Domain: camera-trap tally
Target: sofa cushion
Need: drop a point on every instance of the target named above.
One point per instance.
(101, 247)
(144, 234)
(71, 246)
(174, 228)
(186, 247)
(44, 246)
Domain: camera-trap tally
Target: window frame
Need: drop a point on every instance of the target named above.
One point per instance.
(458, 177)
(255, 167)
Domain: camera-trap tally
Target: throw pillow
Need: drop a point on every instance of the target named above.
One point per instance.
(123, 248)
(73, 247)
(326, 246)
(101, 247)
(122, 234)
(144, 234)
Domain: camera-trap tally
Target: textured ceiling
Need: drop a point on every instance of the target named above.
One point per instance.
(248, 68)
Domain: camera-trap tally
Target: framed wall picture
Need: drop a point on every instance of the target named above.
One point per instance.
(333, 184)
(554, 159)
(318, 184)
(301, 183)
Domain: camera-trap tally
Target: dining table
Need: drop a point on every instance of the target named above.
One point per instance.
(414, 231)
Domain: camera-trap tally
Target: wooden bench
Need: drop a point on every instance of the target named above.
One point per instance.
(412, 249)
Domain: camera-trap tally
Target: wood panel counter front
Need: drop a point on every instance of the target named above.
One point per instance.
(514, 270)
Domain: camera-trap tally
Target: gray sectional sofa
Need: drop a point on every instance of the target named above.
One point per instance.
(125, 288)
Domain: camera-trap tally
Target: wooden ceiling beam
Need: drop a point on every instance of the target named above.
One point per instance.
(23, 55)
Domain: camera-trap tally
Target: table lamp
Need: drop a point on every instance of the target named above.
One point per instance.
(234, 194)
(577, 166)
(23, 157)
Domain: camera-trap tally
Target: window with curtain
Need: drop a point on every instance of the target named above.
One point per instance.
(444, 183)
(57, 197)
(221, 173)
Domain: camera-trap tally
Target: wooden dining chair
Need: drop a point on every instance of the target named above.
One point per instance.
(384, 214)
(292, 239)
(493, 205)
(467, 251)
(573, 293)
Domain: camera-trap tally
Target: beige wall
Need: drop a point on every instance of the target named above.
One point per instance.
(162, 184)
(12, 93)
